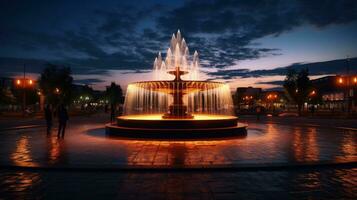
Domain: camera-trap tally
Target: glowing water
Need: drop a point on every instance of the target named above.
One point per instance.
(200, 97)
(177, 56)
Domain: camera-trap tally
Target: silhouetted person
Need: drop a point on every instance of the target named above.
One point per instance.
(258, 111)
(62, 120)
(312, 110)
(112, 113)
(106, 108)
(48, 117)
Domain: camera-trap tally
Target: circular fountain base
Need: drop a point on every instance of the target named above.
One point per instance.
(154, 126)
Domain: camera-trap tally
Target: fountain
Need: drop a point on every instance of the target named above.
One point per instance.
(177, 103)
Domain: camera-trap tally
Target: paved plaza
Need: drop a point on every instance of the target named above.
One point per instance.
(278, 159)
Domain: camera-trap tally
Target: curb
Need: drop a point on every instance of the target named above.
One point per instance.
(21, 127)
(217, 168)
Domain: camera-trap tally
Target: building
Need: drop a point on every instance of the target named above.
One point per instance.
(336, 92)
(246, 97)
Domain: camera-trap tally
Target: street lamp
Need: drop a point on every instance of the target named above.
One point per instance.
(23, 84)
(340, 80)
(347, 82)
(313, 93)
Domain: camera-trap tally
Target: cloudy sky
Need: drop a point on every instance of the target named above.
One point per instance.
(243, 42)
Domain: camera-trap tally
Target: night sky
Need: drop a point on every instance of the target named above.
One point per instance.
(243, 42)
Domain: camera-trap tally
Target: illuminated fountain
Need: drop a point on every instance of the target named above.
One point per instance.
(176, 103)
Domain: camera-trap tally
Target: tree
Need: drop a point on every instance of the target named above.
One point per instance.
(55, 83)
(6, 96)
(114, 93)
(298, 87)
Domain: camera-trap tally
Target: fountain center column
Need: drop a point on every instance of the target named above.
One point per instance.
(177, 109)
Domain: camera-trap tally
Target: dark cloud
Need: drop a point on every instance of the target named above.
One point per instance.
(13, 66)
(271, 82)
(234, 24)
(89, 81)
(96, 37)
(318, 68)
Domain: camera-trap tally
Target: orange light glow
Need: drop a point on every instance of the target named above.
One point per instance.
(340, 80)
(57, 90)
(355, 79)
(30, 82)
(18, 82)
(159, 117)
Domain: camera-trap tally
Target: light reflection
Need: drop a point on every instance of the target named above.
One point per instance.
(308, 181)
(22, 154)
(348, 147)
(55, 150)
(305, 145)
(19, 184)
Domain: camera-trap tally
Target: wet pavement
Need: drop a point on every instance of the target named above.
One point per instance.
(87, 146)
(309, 158)
(322, 184)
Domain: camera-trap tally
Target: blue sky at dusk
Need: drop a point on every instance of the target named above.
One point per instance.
(240, 42)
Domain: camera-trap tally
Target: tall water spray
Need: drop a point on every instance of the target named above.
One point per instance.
(170, 93)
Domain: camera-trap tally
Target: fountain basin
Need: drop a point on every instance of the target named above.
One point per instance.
(154, 126)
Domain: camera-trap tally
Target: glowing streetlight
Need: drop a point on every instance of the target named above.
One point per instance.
(340, 80)
(18, 82)
(313, 93)
(355, 79)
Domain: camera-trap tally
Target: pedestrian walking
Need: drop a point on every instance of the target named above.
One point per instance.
(62, 120)
(48, 117)
(112, 113)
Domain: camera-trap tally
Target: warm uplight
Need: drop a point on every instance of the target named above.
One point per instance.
(57, 90)
(313, 92)
(159, 117)
(30, 82)
(355, 79)
(18, 82)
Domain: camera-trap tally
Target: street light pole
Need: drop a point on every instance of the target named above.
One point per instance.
(348, 86)
(24, 92)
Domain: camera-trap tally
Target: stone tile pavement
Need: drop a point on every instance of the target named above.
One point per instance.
(285, 184)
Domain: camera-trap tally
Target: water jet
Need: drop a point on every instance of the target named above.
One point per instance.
(177, 103)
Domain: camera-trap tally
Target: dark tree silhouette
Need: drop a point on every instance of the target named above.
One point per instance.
(298, 87)
(55, 83)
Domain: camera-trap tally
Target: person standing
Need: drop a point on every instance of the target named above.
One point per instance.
(112, 113)
(258, 111)
(62, 120)
(48, 117)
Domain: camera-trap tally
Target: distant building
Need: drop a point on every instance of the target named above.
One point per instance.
(246, 97)
(334, 94)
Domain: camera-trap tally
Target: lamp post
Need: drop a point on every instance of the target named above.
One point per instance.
(23, 84)
(271, 99)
